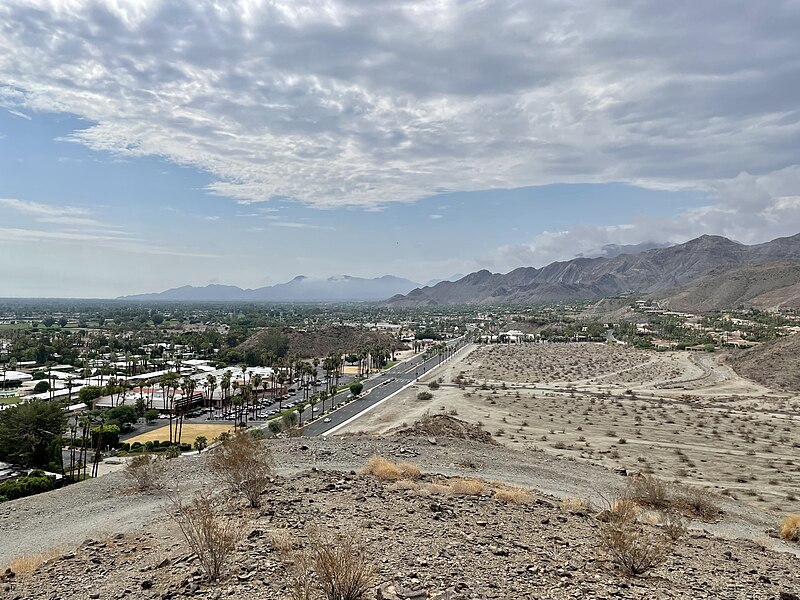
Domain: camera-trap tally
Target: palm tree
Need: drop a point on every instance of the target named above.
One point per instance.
(188, 387)
(226, 388)
(255, 380)
(70, 385)
(211, 387)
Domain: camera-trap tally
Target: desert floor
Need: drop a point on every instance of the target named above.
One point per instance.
(682, 416)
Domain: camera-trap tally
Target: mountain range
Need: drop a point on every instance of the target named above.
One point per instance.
(653, 271)
(300, 289)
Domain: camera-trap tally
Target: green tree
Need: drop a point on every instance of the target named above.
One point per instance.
(89, 393)
(356, 388)
(150, 415)
(28, 430)
(200, 443)
(123, 414)
(41, 387)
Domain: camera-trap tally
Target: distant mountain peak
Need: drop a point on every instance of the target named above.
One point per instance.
(619, 272)
(338, 288)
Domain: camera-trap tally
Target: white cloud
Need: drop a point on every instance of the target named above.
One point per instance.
(37, 208)
(296, 225)
(364, 103)
(750, 210)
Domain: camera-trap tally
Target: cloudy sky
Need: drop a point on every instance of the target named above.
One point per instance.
(146, 144)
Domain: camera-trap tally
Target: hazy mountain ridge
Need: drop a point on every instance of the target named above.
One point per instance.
(299, 289)
(652, 271)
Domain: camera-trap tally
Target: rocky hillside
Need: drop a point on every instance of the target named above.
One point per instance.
(424, 536)
(770, 286)
(653, 271)
(772, 364)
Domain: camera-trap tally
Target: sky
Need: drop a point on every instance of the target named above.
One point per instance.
(148, 144)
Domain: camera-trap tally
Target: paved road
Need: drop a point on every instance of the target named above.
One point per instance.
(377, 388)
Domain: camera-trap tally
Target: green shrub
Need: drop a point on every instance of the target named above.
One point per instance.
(156, 443)
(35, 483)
(148, 446)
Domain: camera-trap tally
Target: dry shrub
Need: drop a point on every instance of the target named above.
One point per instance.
(513, 495)
(631, 548)
(210, 535)
(790, 528)
(342, 568)
(145, 471)
(647, 490)
(467, 487)
(244, 465)
(623, 510)
(697, 502)
(335, 566)
(386, 470)
(674, 524)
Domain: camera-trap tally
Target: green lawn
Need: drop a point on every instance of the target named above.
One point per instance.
(9, 400)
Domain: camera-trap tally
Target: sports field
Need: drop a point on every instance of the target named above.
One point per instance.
(188, 434)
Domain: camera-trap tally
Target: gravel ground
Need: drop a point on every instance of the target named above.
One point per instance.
(421, 545)
(62, 519)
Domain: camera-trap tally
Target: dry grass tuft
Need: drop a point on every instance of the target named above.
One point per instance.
(790, 528)
(575, 504)
(467, 487)
(434, 489)
(403, 485)
(281, 542)
(27, 564)
(386, 470)
(513, 495)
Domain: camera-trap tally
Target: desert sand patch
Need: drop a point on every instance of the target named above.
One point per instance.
(678, 415)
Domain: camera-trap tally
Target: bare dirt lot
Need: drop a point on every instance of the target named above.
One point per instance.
(679, 415)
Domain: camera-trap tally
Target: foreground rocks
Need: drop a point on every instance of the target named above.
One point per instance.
(422, 544)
